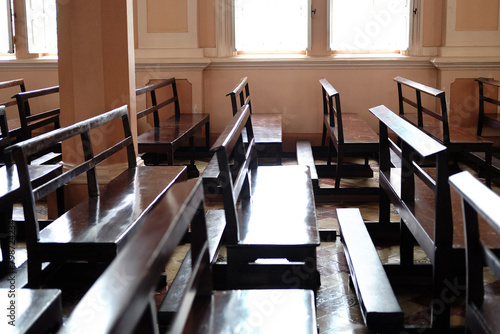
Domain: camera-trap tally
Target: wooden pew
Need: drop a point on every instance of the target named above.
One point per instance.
(480, 206)
(489, 119)
(430, 215)
(267, 127)
(12, 86)
(9, 193)
(269, 214)
(348, 133)
(436, 124)
(168, 134)
(97, 228)
(121, 300)
(35, 124)
(30, 310)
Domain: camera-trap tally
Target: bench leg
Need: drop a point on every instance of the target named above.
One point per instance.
(329, 153)
(323, 136)
(340, 162)
(207, 135)
(148, 321)
(406, 246)
(5, 239)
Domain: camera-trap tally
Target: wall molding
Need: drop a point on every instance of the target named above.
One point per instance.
(461, 63)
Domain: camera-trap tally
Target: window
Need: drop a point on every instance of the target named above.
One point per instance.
(41, 26)
(370, 25)
(271, 25)
(6, 43)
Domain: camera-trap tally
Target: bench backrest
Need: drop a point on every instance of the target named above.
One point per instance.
(23, 150)
(155, 105)
(240, 96)
(438, 96)
(4, 136)
(124, 292)
(486, 86)
(30, 122)
(477, 201)
(236, 160)
(332, 109)
(9, 84)
(416, 145)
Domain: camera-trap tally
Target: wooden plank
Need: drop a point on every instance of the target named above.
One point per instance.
(305, 158)
(379, 306)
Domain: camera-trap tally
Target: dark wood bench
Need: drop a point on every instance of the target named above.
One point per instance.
(12, 87)
(480, 206)
(169, 133)
(9, 193)
(31, 310)
(269, 214)
(97, 228)
(430, 216)
(432, 117)
(379, 305)
(488, 124)
(348, 134)
(25, 125)
(267, 127)
(121, 300)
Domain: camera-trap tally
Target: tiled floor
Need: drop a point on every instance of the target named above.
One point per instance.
(337, 307)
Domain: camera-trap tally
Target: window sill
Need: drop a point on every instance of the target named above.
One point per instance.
(39, 63)
(332, 61)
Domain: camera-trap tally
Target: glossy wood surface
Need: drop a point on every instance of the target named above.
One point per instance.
(110, 217)
(36, 311)
(282, 210)
(172, 131)
(267, 128)
(379, 305)
(254, 311)
(130, 279)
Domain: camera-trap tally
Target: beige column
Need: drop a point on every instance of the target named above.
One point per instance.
(96, 66)
(96, 58)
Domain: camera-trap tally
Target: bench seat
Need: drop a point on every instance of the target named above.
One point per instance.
(172, 133)
(106, 222)
(282, 210)
(356, 131)
(262, 311)
(458, 135)
(36, 311)
(378, 303)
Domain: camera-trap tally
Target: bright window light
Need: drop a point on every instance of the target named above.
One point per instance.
(5, 27)
(41, 24)
(370, 25)
(271, 25)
